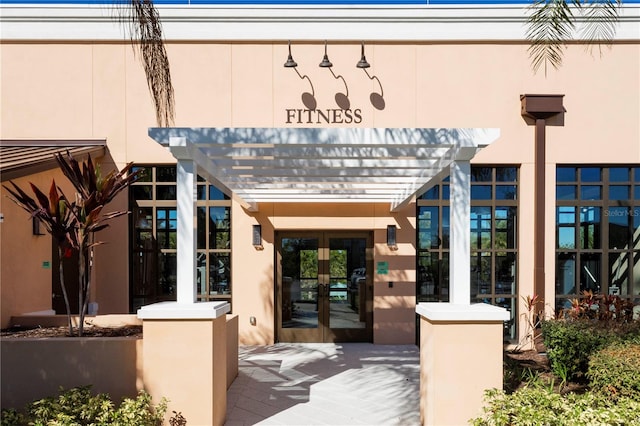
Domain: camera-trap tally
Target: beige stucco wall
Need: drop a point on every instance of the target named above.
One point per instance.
(95, 90)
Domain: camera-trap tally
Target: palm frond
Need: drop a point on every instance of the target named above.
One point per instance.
(145, 28)
(550, 26)
(600, 21)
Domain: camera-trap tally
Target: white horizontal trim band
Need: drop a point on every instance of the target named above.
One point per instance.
(302, 23)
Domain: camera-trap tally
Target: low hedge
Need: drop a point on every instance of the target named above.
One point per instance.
(78, 406)
(570, 343)
(541, 406)
(614, 371)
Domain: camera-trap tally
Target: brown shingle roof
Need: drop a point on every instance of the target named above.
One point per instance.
(24, 157)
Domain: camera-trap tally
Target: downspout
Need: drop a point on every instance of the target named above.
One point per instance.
(541, 111)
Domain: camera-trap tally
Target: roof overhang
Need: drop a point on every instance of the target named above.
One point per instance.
(356, 165)
(20, 158)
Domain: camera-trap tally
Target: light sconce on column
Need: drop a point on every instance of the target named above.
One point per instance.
(35, 226)
(257, 237)
(391, 237)
(342, 99)
(308, 99)
(377, 99)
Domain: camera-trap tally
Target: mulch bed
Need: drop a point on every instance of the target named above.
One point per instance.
(134, 331)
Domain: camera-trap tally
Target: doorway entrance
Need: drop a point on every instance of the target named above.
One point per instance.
(324, 287)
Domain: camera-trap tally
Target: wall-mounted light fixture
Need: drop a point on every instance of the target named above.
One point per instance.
(257, 237)
(35, 226)
(377, 99)
(342, 99)
(308, 99)
(391, 237)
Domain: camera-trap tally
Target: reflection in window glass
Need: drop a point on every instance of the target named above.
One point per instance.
(506, 174)
(591, 192)
(566, 220)
(428, 226)
(618, 273)
(431, 194)
(566, 192)
(216, 194)
(219, 227)
(619, 192)
(636, 174)
(591, 174)
(445, 192)
(480, 273)
(493, 240)
(153, 256)
(445, 227)
(590, 272)
(142, 192)
(505, 273)
(505, 192)
(590, 230)
(166, 174)
(619, 174)
(566, 174)
(618, 227)
(480, 227)
(566, 273)
(481, 174)
(480, 192)
(166, 192)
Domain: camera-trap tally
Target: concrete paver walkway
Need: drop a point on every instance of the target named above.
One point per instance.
(326, 384)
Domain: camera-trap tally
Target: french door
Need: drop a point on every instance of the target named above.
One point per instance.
(324, 290)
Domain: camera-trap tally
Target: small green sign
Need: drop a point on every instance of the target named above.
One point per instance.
(46, 264)
(382, 268)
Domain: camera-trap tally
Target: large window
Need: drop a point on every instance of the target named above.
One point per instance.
(494, 213)
(597, 231)
(154, 231)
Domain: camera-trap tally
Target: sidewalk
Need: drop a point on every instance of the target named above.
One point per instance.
(326, 384)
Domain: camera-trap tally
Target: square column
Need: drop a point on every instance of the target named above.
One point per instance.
(459, 243)
(460, 357)
(186, 192)
(185, 358)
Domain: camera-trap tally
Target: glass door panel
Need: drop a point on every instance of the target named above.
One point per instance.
(347, 282)
(299, 283)
(324, 287)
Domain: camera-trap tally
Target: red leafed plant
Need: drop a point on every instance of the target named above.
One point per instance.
(73, 224)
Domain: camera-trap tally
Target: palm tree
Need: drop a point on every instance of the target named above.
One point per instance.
(145, 31)
(553, 23)
(73, 224)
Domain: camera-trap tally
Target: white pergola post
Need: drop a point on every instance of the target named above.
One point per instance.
(459, 244)
(186, 232)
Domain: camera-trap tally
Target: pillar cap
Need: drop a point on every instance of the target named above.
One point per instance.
(456, 312)
(175, 310)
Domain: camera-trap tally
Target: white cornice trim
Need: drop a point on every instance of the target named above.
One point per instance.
(279, 23)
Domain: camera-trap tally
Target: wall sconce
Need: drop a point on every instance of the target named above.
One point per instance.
(342, 99)
(377, 99)
(391, 237)
(35, 226)
(308, 99)
(257, 237)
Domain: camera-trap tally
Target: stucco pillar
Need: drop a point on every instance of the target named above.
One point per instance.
(186, 231)
(460, 357)
(185, 358)
(460, 240)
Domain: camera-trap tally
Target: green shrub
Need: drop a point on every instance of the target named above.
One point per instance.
(541, 406)
(77, 406)
(615, 371)
(570, 343)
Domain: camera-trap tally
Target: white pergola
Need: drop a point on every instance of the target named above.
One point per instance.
(353, 165)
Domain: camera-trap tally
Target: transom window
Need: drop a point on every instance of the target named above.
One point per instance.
(154, 232)
(494, 212)
(597, 231)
